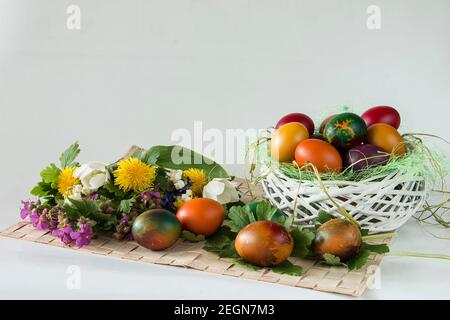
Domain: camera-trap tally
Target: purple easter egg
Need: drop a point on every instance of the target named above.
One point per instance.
(363, 156)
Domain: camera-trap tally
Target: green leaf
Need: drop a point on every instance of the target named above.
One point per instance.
(50, 175)
(189, 236)
(323, 217)
(69, 155)
(137, 153)
(125, 205)
(239, 218)
(42, 189)
(302, 242)
(114, 190)
(265, 211)
(90, 209)
(161, 181)
(364, 232)
(246, 264)
(289, 268)
(360, 260)
(222, 236)
(222, 243)
(227, 251)
(377, 248)
(331, 259)
(289, 222)
(150, 156)
(177, 157)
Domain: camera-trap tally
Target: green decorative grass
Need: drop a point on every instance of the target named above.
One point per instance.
(419, 161)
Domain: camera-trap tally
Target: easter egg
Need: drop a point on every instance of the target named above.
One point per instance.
(382, 114)
(324, 123)
(156, 229)
(320, 153)
(364, 156)
(264, 243)
(201, 216)
(285, 139)
(387, 138)
(338, 237)
(297, 117)
(345, 130)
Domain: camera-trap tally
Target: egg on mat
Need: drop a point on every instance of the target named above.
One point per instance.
(156, 229)
(264, 243)
(201, 216)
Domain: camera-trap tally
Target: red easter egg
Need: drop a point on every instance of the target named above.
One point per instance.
(297, 117)
(382, 114)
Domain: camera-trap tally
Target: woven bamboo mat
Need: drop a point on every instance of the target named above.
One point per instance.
(191, 255)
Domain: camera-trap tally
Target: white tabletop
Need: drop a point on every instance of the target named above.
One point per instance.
(30, 270)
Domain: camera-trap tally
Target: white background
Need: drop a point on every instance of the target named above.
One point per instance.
(137, 70)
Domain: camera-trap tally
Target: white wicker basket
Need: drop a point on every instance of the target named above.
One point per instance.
(379, 204)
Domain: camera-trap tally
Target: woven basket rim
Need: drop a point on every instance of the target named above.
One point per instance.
(395, 175)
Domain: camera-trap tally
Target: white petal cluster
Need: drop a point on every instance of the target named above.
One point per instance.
(221, 190)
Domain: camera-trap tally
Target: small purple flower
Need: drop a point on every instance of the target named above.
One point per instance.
(64, 234)
(34, 217)
(94, 197)
(147, 196)
(42, 223)
(25, 210)
(82, 237)
(124, 220)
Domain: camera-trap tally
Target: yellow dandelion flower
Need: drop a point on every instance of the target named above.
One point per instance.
(66, 181)
(197, 178)
(133, 174)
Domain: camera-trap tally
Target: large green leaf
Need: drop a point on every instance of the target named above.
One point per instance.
(177, 157)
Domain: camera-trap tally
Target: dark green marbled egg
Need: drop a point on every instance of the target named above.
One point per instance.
(345, 130)
(156, 229)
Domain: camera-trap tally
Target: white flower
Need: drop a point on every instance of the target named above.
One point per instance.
(175, 175)
(179, 184)
(92, 175)
(76, 193)
(221, 190)
(188, 195)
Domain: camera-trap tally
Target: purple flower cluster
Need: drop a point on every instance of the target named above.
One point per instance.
(151, 196)
(26, 209)
(51, 220)
(82, 237)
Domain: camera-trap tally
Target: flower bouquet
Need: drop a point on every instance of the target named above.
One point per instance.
(78, 202)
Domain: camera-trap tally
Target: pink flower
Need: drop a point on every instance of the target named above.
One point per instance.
(34, 217)
(94, 196)
(25, 210)
(64, 234)
(82, 237)
(148, 196)
(43, 223)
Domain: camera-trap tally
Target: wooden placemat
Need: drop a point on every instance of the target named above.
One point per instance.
(186, 254)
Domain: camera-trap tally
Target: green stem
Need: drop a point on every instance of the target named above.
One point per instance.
(380, 236)
(419, 255)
